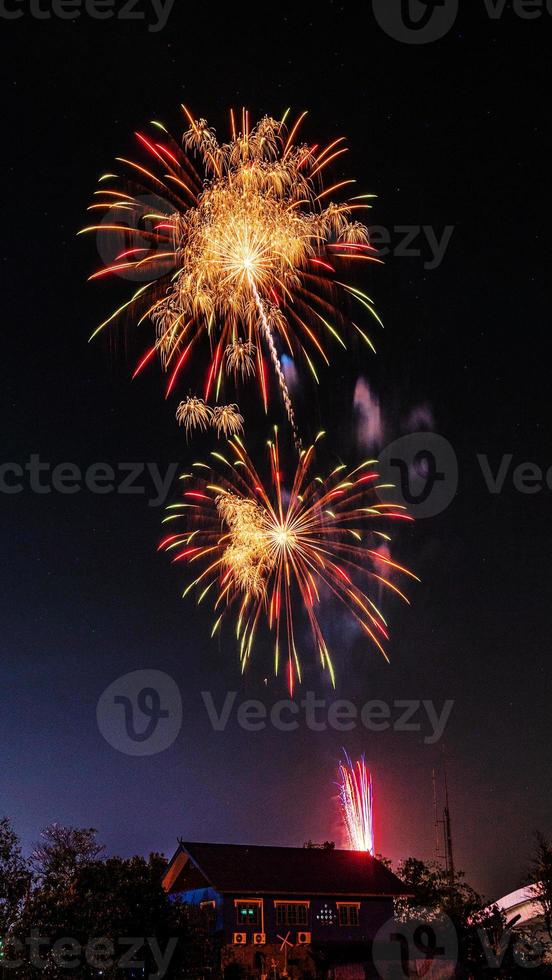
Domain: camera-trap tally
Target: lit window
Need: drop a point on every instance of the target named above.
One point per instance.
(248, 913)
(292, 913)
(348, 915)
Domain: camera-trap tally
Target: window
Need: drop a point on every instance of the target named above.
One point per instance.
(348, 915)
(292, 913)
(248, 913)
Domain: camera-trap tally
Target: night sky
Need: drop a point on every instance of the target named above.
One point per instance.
(450, 133)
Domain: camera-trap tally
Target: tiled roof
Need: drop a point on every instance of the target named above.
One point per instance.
(281, 870)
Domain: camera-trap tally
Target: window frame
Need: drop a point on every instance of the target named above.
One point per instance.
(282, 904)
(257, 903)
(347, 908)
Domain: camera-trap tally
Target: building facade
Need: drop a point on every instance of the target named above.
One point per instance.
(278, 910)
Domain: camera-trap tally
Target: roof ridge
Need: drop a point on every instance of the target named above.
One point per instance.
(277, 847)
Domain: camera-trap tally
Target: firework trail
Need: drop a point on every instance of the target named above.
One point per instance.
(266, 327)
(241, 254)
(357, 801)
(273, 552)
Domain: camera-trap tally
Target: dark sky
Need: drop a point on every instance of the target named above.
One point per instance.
(450, 133)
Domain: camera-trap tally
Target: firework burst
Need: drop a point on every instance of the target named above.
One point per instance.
(279, 554)
(356, 799)
(247, 245)
(227, 420)
(193, 413)
(240, 358)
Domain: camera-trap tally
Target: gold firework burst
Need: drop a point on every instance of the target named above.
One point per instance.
(194, 413)
(240, 358)
(248, 244)
(283, 552)
(246, 556)
(227, 420)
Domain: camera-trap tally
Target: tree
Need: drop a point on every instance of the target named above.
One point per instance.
(61, 852)
(14, 877)
(97, 911)
(433, 889)
(541, 878)
(438, 900)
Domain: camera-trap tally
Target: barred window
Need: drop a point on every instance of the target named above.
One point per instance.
(248, 913)
(348, 915)
(292, 913)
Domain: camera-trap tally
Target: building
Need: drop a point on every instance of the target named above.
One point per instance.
(524, 914)
(278, 910)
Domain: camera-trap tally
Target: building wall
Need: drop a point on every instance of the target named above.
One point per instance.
(322, 924)
(255, 961)
(322, 919)
(200, 896)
